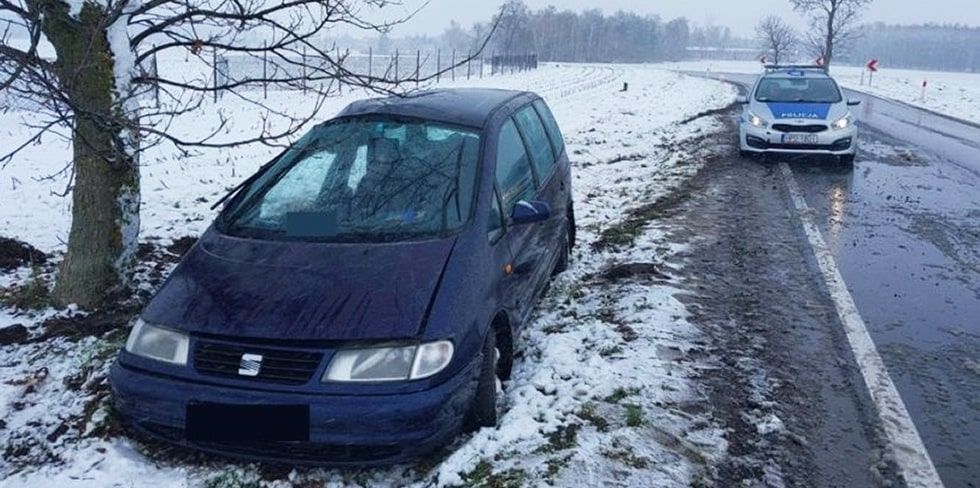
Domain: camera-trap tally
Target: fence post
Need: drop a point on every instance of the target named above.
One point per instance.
(397, 55)
(303, 80)
(438, 65)
(481, 64)
(156, 81)
(493, 62)
(469, 62)
(370, 60)
(454, 65)
(418, 66)
(214, 64)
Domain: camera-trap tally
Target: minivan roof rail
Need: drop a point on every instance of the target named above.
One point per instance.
(782, 67)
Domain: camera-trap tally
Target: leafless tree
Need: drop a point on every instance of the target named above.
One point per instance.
(776, 36)
(833, 23)
(90, 91)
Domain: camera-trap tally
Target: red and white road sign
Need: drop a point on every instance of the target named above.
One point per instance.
(872, 65)
(819, 61)
(764, 59)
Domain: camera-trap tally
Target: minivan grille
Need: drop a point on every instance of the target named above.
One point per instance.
(814, 128)
(276, 366)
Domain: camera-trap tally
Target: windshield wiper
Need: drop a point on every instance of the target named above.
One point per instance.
(453, 192)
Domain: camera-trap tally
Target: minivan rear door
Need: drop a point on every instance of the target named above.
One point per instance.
(552, 188)
(516, 182)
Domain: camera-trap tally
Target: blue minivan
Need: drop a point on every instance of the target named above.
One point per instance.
(357, 299)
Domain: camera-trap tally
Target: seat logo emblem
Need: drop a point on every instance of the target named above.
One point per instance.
(250, 365)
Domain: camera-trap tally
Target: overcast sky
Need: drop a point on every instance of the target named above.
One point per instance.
(740, 15)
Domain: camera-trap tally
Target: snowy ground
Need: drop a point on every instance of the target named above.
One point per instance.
(600, 394)
(953, 94)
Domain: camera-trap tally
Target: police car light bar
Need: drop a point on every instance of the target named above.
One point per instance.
(781, 67)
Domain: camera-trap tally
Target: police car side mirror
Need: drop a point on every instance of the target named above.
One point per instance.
(852, 103)
(741, 99)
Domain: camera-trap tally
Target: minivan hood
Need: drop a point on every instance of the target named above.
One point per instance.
(301, 291)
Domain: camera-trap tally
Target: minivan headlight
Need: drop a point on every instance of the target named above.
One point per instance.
(158, 343)
(389, 363)
(756, 121)
(843, 122)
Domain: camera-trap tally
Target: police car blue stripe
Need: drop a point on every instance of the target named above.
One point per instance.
(815, 111)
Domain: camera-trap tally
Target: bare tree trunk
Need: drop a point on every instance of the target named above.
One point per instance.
(105, 222)
(828, 49)
(105, 198)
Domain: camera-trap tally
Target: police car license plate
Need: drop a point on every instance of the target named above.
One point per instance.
(799, 139)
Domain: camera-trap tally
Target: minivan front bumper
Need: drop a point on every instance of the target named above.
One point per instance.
(354, 430)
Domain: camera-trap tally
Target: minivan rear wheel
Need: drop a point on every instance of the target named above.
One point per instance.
(562, 263)
(483, 412)
(566, 248)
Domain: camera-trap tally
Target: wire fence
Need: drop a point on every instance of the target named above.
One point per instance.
(399, 67)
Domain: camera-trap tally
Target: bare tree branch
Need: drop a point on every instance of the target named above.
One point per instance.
(833, 23)
(776, 36)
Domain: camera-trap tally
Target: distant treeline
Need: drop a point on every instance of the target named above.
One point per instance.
(589, 36)
(930, 46)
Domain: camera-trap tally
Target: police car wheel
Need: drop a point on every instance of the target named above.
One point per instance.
(847, 159)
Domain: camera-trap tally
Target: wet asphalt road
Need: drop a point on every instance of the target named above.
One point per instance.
(780, 378)
(904, 228)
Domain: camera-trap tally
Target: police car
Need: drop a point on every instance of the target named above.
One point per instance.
(798, 110)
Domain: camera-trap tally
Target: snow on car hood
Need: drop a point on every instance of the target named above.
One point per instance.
(301, 291)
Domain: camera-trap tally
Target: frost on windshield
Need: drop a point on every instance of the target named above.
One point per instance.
(365, 180)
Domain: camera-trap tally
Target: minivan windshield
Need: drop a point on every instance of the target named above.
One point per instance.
(798, 90)
(363, 180)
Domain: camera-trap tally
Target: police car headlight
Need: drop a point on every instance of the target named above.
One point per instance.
(842, 123)
(757, 121)
(158, 343)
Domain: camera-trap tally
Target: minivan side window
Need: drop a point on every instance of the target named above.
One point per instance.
(542, 154)
(514, 178)
(551, 126)
(495, 228)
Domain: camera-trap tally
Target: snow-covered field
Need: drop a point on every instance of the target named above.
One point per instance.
(953, 94)
(602, 390)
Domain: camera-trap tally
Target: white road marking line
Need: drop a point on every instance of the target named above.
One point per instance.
(903, 439)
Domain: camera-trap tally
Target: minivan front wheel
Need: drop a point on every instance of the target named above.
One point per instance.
(483, 412)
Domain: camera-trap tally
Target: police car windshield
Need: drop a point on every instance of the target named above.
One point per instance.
(798, 90)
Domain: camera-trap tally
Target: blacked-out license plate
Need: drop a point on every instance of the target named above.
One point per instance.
(221, 422)
(799, 139)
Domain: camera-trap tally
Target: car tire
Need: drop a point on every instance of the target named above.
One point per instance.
(562, 263)
(483, 412)
(571, 226)
(566, 251)
(744, 154)
(847, 159)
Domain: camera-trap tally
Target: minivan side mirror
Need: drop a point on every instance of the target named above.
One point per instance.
(742, 99)
(852, 103)
(529, 212)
